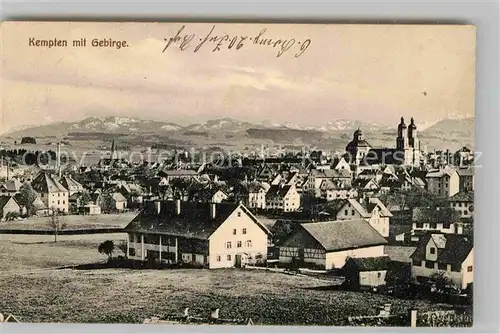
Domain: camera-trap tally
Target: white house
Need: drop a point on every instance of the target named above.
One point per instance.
(443, 182)
(10, 187)
(371, 210)
(215, 235)
(328, 244)
(283, 198)
(51, 192)
(71, 184)
(450, 253)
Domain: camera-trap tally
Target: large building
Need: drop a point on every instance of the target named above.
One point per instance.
(51, 192)
(215, 235)
(407, 151)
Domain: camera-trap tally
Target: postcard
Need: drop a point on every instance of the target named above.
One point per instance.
(246, 174)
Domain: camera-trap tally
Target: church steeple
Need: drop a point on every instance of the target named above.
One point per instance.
(402, 140)
(113, 150)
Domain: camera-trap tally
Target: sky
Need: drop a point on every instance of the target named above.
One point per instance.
(373, 73)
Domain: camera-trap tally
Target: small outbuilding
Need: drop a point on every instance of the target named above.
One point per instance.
(366, 272)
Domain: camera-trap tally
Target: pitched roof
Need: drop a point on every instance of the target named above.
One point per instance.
(365, 207)
(344, 234)
(440, 172)
(46, 183)
(178, 172)
(69, 183)
(278, 190)
(371, 263)
(463, 196)
(5, 199)
(465, 171)
(12, 185)
(452, 248)
(330, 173)
(194, 220)
(118, 197)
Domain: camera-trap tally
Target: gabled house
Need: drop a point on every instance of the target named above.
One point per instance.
(284, 198)
(449, 253)
(329, 244)
(252, 194)
(51, 192)
(316, 177)
(372, 210)
(8, 204)
(73, 186)
(209, 195)
(185, 174)
(341, 164)
(10, 187)
(215, 235)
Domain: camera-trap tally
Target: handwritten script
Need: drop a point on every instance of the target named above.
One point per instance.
(218, 41)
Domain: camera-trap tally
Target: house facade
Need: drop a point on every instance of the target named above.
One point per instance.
(8, 204)
(371, 210)
(51, 192)
(448, 253)
(328, 244)
(215, 235)
(463, 203)
(443, 182)
(284, 198)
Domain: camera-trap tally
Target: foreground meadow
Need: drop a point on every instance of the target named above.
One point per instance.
(34, 290)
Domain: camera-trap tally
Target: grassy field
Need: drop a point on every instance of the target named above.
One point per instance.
(73, 221)
(34, 291)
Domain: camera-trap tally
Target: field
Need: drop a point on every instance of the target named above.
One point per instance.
(73, 222)
(33, 289)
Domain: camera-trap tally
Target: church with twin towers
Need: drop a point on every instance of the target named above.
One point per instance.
(407, 152)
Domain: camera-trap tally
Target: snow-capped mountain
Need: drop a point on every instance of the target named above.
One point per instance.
(220, 124)
(337, 125)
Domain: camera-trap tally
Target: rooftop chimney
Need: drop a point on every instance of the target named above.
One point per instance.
(178, 206)
(157, 207)
(186, 312)
(212, 210)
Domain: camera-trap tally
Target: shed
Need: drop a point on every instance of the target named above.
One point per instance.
(367, 271)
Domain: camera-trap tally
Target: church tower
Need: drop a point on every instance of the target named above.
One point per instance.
(114, 156)
(402, 140)
(414, 143)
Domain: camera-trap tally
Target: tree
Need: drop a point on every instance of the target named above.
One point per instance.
(27, 197)
(56, 224)
(440, 280)
(107, 203)
(107, 247)
(122, 246)
(85, 199)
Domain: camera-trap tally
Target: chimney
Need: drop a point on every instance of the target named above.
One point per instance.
(157, 207)
(215, 314)
(212, 210)
(178, 206)
(186, 312)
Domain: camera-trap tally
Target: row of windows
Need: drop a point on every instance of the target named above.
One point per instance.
(432, 225)
(59, 202)
(248, 243)
(459, 204)
(441, 266)
(228, 257)
(346, 212)
(243, 231)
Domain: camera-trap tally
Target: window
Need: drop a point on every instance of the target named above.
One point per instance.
(239, 214)
(379, 274)
(432, 250)
(234, 231)
(131, 251)
(455, 267)
(433, 226)
(218, 258)
(442, 266)
(469, 269)
(228, 244)
(244, 231)
(249, 243)
(353, 212)
(417, 263)
(64, 202)
(346, 212)
(229, 257)
(466, 212)
(238, 244)
(131, 237)
(429, 264)
(58, 202)
(420, 225)
(446, 225)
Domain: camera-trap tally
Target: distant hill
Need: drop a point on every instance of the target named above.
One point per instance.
(449, 133)
(445, 134)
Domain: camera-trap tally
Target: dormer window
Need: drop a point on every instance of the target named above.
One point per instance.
(432, 250)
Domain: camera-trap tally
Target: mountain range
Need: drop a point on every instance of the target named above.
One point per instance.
(446, 132)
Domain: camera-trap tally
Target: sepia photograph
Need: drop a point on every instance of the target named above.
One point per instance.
(244, 174)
